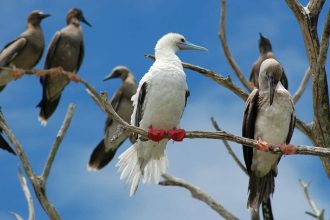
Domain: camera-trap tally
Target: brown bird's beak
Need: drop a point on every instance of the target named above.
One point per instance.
(272, 86)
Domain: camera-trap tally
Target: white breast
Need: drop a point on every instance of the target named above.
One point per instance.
(272, 126)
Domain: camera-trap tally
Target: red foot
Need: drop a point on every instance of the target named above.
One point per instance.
(156, 135)
(262, 145)
(177, 134)
(288, 149)
(74, 77)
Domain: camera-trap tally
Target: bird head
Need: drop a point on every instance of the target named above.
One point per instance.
(270, 74)
(74, 15)
(264, 44)
(118, 72)
(172, 42)
(35, 17)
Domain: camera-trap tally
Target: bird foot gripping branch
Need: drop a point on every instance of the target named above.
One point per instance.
(262, 145)
(174, 134)
(288, 149)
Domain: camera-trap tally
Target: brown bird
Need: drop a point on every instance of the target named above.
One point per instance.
(123, 105)
(67, 51)
(26, 50)
(269, 117)
(265, 50)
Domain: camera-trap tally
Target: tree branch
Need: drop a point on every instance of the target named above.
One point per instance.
(223, 81)
(197, 193)
(27, 194)
(229, 149)
(229, 56)
(38, 182)
(302, 86)
(58, 141)
(315, 211)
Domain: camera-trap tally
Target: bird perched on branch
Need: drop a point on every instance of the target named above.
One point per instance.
(269, 117)
(66, 50)
(266, 52)
(25, 51)
(158, 106)
(123, 105)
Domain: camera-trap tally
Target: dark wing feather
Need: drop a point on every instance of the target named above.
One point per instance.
(52, 49)
(250, 115)
(292, 125)
(81, 56)
(139, 108)
(10, 51)
(186, 98)
(115, 105)
(284, 81)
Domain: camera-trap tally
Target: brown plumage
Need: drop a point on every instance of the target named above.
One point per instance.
(269, 115)
(122, 104)
(26, 50)
(265, 52)
(66, 50)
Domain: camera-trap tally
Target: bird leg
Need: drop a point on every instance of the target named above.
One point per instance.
(288, 149)
(74, 77)
(262, 145)
(156, 135)
(177, 134)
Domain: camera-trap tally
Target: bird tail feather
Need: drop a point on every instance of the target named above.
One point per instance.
(101, 156)
(143, 159)
(47, 108)
(5, 146)
(260, 189)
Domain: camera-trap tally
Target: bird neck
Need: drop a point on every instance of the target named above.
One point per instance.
(74, 21)
(167, 55)
(32, 26)
(129, 78)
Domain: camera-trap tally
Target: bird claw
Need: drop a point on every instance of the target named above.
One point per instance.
(177, 134)
(288, 149)
(156, 135)
(16, 74)
(262, 145)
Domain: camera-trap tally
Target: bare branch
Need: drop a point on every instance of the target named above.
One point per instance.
(38, 182)
(231, 60)
(223, 81)
(316, 213)
(58, 141)
(27, 194)
(197, 193)
(305, 128)
(324, 43)
(315, 6)
(302, 86)
(230, 150)
(17, 216)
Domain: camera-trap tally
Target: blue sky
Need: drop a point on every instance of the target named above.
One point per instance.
(123, 31)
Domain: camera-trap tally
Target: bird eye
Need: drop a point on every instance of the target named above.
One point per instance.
(182, 40)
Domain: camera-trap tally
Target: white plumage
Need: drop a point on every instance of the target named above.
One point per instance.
(162, 108)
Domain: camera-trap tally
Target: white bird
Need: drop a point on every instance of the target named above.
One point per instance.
(158, 106)
(269, 118)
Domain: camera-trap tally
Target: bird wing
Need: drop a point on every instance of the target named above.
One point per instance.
(292, 125)
(284, 81)
(140, 104)
(81, 56)
(52, 49)
(250, 115)
(11, 50)
(186, 98)
(115, 101)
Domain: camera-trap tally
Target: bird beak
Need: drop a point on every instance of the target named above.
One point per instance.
(189, 46)
(110, 76)
(272, 86)
(44, 16)
(83, 19)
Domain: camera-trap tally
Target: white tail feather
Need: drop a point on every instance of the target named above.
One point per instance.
(42, 121)
(147, 159)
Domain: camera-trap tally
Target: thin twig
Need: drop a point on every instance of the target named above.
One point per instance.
(17, 216)
(197, 193)
(27, 194)
(223, 81)
(229, 148)
(324, 45)
(229, 56)
(58, 141)
(302, 86)
(316, 213)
